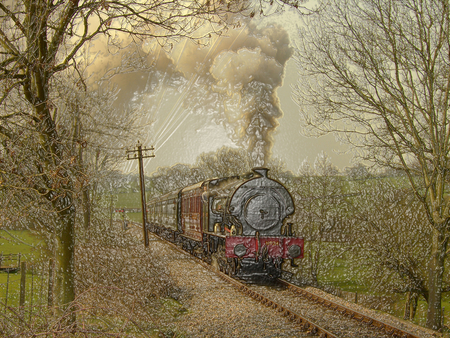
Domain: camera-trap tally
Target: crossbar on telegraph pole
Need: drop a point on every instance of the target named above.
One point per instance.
(139, 153)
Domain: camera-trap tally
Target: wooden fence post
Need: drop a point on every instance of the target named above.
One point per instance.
(23, 280)
(31, 293)
(42, 284)
(7, 289)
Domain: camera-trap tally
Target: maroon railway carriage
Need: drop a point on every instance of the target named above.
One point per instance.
(237, 223)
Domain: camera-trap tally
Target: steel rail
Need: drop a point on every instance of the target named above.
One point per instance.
(352, 313)
(304, 323)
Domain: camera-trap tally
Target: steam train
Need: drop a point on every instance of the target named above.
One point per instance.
(237, 224)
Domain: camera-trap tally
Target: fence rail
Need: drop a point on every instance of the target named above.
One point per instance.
(10, 262)
(26, 293)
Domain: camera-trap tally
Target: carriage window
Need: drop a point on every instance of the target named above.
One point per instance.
(185, 205)
(193, 206)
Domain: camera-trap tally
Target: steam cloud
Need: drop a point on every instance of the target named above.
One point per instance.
(231, 82)
(246, 81)
(243, 73)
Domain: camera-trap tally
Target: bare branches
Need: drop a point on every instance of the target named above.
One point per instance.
(381, 82)
(42, 152)
(377, 73)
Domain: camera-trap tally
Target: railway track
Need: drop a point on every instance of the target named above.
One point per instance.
(341, 320)
(305, 323)
(317, 315)
(351, 313)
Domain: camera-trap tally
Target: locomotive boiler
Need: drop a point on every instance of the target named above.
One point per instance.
(238, 224)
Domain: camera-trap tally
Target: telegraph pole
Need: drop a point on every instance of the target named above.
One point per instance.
(140, 153)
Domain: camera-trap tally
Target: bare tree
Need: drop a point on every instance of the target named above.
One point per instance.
(167, 179)
(318, 193)
(96, 131)
(390, 242)
(40, 43)
(376, 73)
(224, 162)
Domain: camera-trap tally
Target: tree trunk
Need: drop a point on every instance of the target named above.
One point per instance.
(66, 261)
(436, 273)
(414, 300)
(410, 305)
(407, 313)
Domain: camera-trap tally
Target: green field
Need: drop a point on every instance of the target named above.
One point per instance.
(20, 241)
(339, 278)
(30, 248)
(129, 200)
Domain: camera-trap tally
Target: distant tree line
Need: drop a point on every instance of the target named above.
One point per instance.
(224, 162)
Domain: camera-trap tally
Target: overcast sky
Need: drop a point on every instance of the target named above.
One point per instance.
(197, 100)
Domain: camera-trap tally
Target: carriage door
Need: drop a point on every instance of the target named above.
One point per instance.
(185, 214)
(195, 214)
(191, 215)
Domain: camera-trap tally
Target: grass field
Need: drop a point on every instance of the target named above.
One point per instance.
(339, 278)
(29, 246)
(20, 241)
(129, 200)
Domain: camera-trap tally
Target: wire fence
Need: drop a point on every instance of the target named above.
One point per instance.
(27, 289)
(10, 262)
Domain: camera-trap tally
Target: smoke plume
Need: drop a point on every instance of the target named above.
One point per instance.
(237, 81)
(232, 82)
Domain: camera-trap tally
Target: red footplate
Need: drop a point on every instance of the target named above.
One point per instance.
(248, 246)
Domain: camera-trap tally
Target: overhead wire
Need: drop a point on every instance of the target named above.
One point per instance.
(172, 121)
(171, 114)
(192, 80)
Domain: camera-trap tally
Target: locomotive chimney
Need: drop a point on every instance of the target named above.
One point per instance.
(261, 171)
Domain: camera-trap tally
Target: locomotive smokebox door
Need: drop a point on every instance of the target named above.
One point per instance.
(262, 211)
(261, 204)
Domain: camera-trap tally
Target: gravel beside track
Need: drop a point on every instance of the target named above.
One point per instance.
(214, 307)
(217, 309)
(384, 317)
(331, 320)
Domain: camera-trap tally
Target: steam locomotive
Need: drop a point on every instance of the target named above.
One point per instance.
(236, 224)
